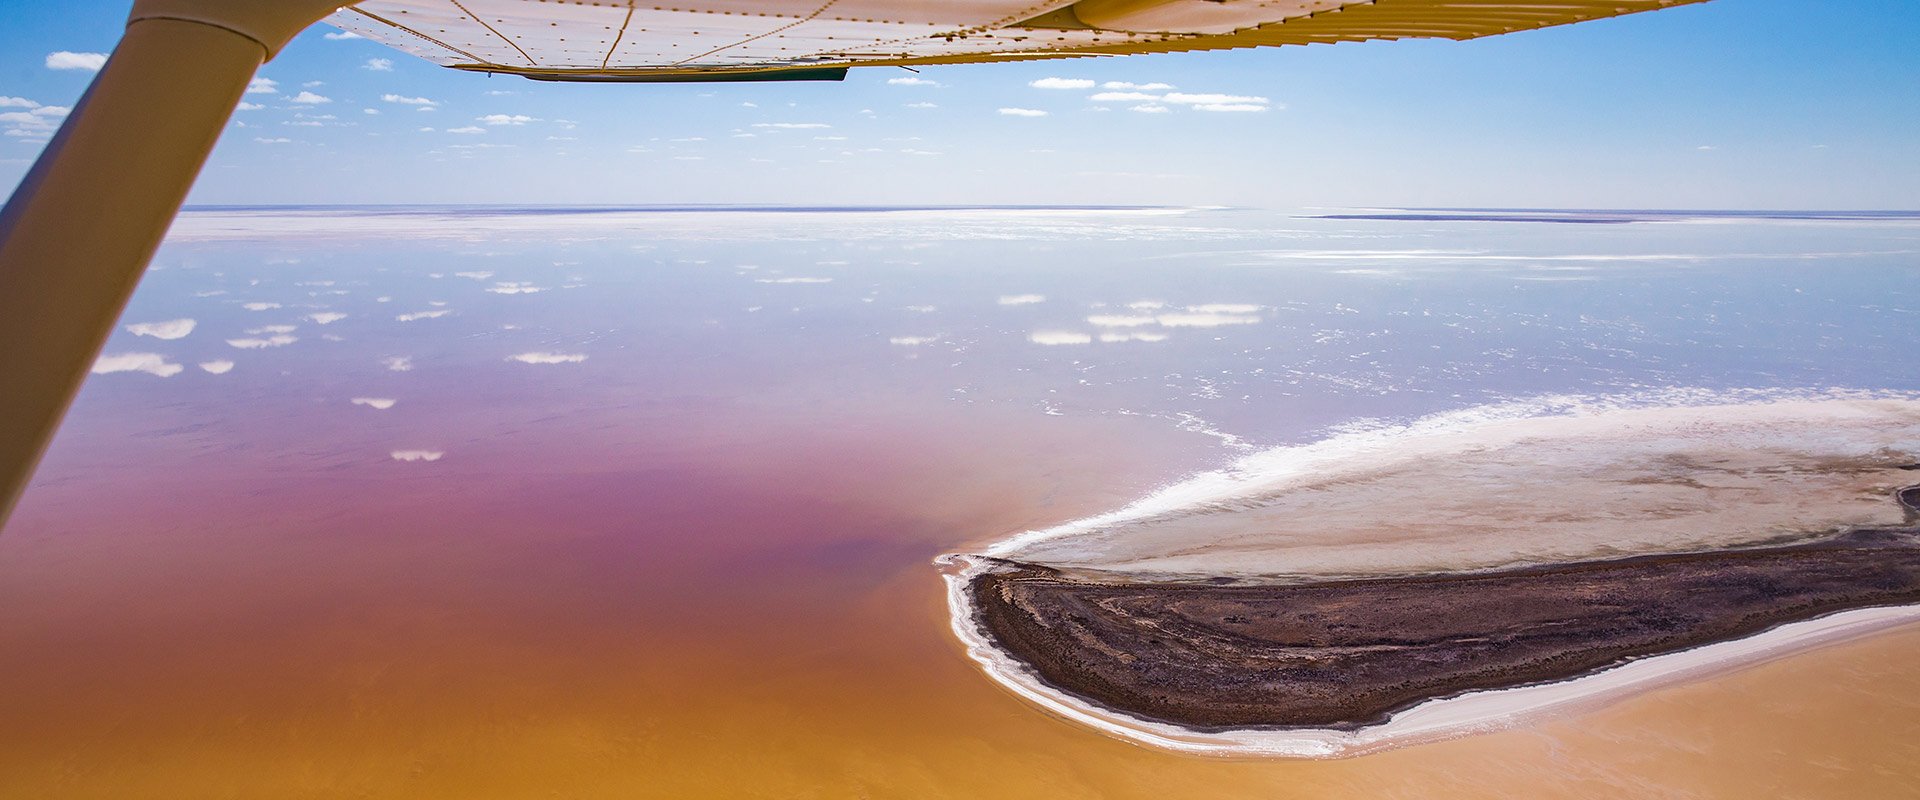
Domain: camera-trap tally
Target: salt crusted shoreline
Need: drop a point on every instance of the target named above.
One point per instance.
(1434, 720)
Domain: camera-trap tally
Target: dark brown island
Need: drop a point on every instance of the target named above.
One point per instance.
(1347, 654)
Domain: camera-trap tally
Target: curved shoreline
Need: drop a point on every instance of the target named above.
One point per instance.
(1225, 614)
(1438, 719)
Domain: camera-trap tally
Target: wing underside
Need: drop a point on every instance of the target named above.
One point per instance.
(696, 39)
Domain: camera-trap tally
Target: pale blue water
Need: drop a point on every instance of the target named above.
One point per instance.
(1326, 320)
(1258, 327)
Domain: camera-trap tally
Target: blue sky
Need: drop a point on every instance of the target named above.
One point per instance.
(1728, 104)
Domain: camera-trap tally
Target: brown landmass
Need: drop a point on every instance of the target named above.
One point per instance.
(1346, 654)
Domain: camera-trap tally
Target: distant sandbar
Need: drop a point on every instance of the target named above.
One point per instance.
(1398, 583)
(1342, 655)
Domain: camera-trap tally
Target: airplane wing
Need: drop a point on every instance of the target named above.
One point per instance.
(695, 40)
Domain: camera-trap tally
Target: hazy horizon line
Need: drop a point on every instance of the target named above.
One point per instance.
(1096, 206)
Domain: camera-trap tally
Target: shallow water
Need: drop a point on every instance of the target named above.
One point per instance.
(697, 561)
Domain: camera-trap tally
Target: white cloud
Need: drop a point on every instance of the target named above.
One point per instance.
(1022, 112)
(311, 84)
(1145, 305)
(1022, 299)
(326, 317)
(398, 363)
(1059, 337)
(272, 329)
(245, 106)
(1150, 108)
(1143, 87)
(923, 309)
(793, 280)
(170, 329)
(1215, 99)
(91, 62)
(281, 340)
(923, 105)
(377, 403)
(792, 125)
(1124, 97)
(35, 123)
(505, 119)
(548, 358)
(464, 130)
(1226, 308)
(150, 363)
(477, 275)
(408, 101)
(913, 341)
(1062, 83)
(378, 65)
(263, 86)
(437, 313)
(339, 35)
(912, 81)
(274, 140)
(260, 306)
(217, 367)
(17, 102)
(417, 455)
(311, 99)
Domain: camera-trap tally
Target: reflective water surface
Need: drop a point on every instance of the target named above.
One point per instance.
(436, 502)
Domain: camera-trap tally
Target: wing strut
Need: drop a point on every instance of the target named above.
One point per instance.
(78, 232)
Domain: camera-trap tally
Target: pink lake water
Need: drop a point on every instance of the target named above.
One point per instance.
(683, 546)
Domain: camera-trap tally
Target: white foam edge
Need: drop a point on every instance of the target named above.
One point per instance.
(1272, 469)
(1440, 719)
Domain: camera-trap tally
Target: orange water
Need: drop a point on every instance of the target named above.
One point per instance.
(740, 607)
